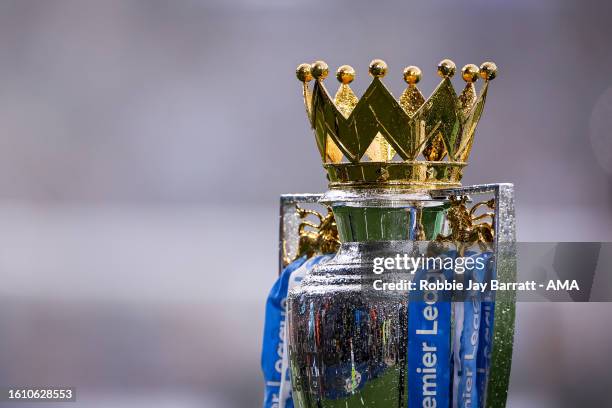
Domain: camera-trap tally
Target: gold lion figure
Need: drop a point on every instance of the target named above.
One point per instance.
(315, 239)
(465, 229)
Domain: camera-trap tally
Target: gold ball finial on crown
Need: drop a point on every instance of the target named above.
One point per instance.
(320, 70)
(345, 74)
(412, 75)
(446, 68)
(470, 73)
(304, 72)
(378, 68)
(488, 70)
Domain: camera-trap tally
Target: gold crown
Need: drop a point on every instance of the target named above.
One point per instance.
(377, 141)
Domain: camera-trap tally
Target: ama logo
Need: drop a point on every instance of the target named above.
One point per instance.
(562, 285)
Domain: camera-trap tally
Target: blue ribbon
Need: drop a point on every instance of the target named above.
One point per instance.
(471, 356)
(274, 332)
(274, 335)
(429, 352)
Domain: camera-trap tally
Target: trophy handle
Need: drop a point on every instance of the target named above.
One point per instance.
(504, 248)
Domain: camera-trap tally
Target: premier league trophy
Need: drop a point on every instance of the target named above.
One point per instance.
(394, 169)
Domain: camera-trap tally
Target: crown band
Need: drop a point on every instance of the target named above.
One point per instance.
(414, 175)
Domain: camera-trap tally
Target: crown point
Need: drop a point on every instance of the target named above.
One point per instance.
(446, 68)
(320, 70)
(412, 75)
(304, 72)
(488, 71)
(469, 73)
(345, 74)
(378, 68)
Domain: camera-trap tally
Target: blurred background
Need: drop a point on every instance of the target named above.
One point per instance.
(143, 146)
